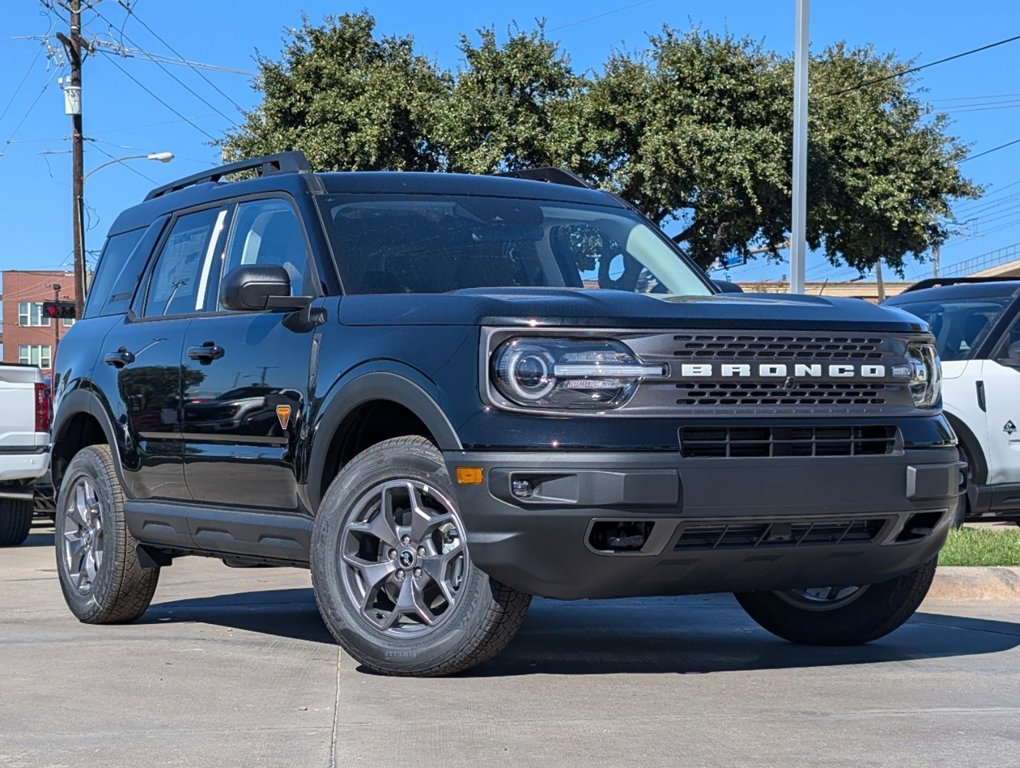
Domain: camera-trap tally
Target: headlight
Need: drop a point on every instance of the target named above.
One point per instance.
(924, 373)
(569, 374)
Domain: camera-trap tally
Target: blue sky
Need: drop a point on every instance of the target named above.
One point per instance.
(980, 92)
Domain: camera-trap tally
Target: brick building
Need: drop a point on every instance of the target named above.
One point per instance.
(28, 335)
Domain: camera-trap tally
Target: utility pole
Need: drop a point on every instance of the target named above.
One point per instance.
(936, 254)
(72, 106)
(880, 281)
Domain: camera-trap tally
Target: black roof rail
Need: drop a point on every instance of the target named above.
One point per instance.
(551, 175)
(935, 282)
(282, 162)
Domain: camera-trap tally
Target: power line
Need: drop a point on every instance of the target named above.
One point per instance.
(600, 15)
(131, 12)
(172, 75)
(123, 50)
(21, 122)
(22, 83)
(911, 70)
(989, 151)
(145, 88)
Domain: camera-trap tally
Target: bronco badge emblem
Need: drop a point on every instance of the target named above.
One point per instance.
(1009, 427)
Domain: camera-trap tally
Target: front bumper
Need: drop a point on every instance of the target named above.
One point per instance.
(712, 524)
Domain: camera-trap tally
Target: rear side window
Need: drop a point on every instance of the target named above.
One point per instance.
(118, 271)
(179, 284)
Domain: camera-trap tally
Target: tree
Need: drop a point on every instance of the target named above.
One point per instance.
(510, 106)
(695, 131)
(348, 100)
(699, 130)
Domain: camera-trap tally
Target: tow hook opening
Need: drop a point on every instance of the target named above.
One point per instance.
(620, 535)
(919, 526)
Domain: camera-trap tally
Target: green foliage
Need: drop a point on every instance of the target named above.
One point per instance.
(695, 131)
(982, 546)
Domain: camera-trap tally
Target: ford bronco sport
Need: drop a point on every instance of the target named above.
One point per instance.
(444, 394)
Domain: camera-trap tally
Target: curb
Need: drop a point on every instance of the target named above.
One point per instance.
(975, 583)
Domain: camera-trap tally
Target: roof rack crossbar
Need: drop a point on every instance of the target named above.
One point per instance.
(282, 162)
(933, 282)
(551, 175)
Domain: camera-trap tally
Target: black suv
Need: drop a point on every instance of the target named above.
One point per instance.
(447, 393)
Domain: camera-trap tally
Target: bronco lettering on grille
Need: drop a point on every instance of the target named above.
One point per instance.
(781, 370)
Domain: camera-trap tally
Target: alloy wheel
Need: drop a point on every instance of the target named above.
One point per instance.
(83, 535)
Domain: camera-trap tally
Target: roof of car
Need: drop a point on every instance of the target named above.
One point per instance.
(977, 290)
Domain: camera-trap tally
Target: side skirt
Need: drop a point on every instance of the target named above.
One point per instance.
(233, 534)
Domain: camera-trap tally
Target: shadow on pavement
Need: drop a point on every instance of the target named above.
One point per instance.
(39, 538)
(677, 635)
(696, 635)
(282, 612)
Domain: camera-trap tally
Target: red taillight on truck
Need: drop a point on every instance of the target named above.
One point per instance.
(42, 408)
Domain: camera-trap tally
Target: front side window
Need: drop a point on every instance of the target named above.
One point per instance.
(432, 244)
(181, 281)
(30, 314)
(958, 324)
(268, 232)
(35, 354)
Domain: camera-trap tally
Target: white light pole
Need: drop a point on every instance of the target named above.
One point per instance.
(799, 175)
(163, 157)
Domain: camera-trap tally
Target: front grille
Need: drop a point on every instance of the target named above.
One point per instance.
(766, 393)
(769, 346)
(762, 535)
(750, 442)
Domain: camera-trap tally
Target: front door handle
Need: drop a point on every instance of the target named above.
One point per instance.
(120, 358)
(206, 353)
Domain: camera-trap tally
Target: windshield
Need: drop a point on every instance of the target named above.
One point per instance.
(432, 244)
(959, 324)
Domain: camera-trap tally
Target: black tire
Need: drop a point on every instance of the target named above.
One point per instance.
(121, 589)
(868, 615)
(484, 615)
(15, 521)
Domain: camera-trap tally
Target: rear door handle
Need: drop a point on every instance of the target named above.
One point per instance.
(120, 358)
(206, 353)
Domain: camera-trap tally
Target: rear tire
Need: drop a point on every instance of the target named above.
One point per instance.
(101, 577)
(871, 612)
(15, 521)
(391, 570)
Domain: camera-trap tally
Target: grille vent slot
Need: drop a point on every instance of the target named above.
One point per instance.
(775, 393)
(773, 346)
(751, 442)
(744, 535)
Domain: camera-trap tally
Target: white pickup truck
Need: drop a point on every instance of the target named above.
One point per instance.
(24, 447)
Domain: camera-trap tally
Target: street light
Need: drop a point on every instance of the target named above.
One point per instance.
(163, 157)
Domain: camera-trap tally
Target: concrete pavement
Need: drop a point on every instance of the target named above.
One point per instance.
(233, 667)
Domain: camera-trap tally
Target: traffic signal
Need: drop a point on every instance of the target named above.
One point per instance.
(58, 309)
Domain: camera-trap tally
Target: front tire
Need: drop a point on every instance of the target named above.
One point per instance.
(15, 521)
(391, 571)
(840, 616)
(101, 577)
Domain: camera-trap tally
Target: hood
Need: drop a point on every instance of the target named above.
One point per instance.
(620, 309)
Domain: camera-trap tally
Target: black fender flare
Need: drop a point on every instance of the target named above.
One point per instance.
(360, 388)
(81, 401)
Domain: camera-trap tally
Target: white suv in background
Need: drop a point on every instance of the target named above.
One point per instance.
(976, 322)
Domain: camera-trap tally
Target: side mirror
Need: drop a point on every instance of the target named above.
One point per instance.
(258, 287)
(725, 286)
(1013, 353)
